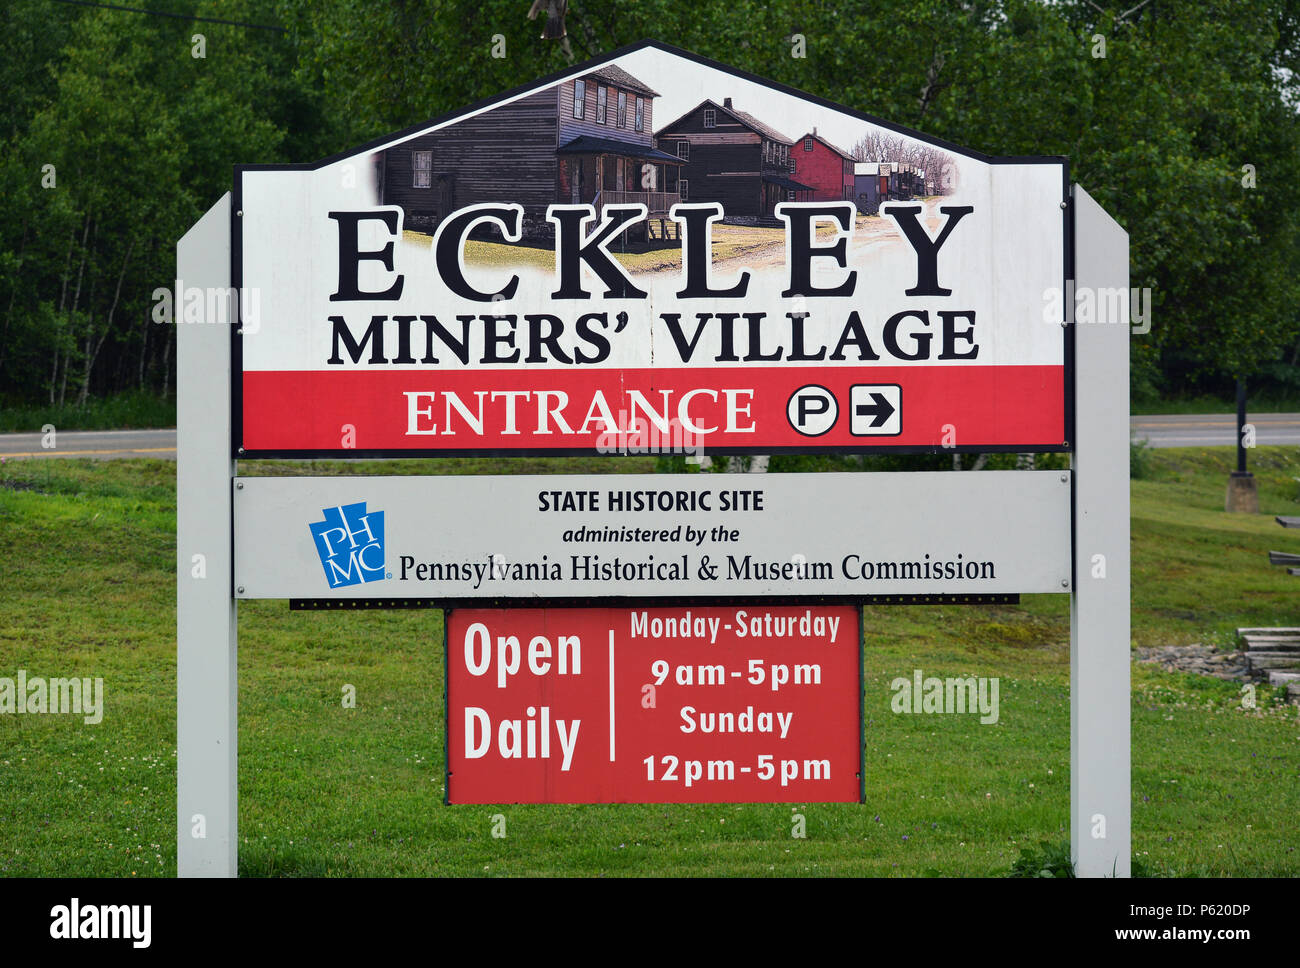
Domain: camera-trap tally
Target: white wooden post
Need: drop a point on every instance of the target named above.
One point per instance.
(1100, 797)
(206, 685)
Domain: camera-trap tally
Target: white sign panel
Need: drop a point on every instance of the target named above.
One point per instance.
(636, 536)
(651, 243)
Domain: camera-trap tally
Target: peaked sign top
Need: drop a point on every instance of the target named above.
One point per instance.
(650, 253)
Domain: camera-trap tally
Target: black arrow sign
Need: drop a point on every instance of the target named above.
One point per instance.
(881, 408)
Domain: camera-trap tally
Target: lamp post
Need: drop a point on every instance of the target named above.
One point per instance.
(1243, 494)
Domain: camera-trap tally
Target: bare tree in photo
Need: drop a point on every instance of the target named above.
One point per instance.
(878, 144)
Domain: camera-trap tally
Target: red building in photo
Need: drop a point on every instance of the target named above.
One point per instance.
(825, 167)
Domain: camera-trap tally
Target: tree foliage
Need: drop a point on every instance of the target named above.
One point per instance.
(1185, 130)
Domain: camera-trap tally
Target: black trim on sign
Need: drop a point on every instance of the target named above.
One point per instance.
(677, 601)
(1067, 271)
(237, 330)
(380, 454)
(862, 714)
(1072, 276)
(230, 530)
(984, 598)
(358, 604)
(579, 70)
(446, 711)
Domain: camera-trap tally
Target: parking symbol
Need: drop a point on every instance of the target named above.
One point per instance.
(876, 410)
(812, 410)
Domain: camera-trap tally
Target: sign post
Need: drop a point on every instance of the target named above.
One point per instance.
(206, 679)
(1100, 797)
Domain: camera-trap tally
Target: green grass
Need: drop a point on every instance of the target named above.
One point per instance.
(1199, 573)
(88, 573)
(134, 410)
(1205, 403)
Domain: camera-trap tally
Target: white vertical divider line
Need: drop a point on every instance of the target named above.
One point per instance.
(611, 695)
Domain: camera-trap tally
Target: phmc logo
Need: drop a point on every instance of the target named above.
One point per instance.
(350, 543)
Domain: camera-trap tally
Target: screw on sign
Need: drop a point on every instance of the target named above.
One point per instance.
(704, 705)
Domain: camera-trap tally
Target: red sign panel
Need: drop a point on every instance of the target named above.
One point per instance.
(625, 705)
(657, 412)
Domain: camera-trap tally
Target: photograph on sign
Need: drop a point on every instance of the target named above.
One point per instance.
(651, 252)
(660, 705)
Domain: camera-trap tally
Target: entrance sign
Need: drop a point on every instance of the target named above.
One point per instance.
(651, 249)
(541, 275)
(662, 536)
(658, 705)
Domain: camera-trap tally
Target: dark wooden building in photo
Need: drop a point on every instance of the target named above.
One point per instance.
(905, 181)
(586, 140)
(731, 157)
(866, 186)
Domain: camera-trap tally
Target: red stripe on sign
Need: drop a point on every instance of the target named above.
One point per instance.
(632, 410)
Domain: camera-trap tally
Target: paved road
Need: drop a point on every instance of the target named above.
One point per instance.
(108, 444)
(1175, 430)
(1213, 430)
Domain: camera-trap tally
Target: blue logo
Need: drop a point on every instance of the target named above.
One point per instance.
(350, 543)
